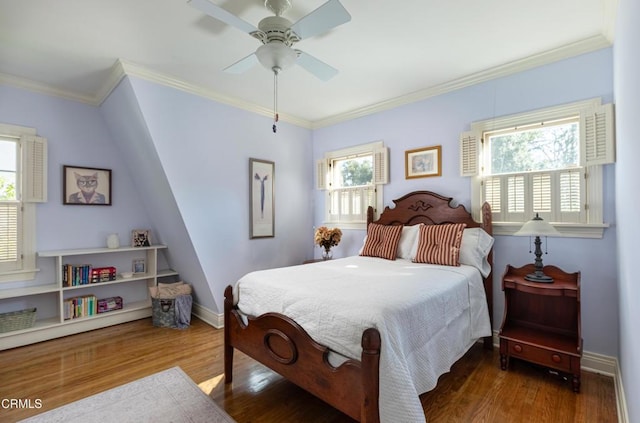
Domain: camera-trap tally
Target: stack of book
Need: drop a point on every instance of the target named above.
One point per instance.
(83, 306)
(74, 275)
(103, 274)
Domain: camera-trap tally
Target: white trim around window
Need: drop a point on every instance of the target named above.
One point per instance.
(31, 189)
(357, 198)
(597, 148)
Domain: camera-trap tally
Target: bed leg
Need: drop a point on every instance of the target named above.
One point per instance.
(370, 376)
(228, 348)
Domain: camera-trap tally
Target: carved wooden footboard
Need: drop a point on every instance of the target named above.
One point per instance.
(281, 344)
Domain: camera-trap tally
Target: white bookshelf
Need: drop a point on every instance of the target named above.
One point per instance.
(134, 292)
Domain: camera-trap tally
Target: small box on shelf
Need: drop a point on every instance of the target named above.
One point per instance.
(109, 304)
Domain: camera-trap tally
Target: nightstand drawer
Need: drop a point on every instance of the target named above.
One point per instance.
(549, 358)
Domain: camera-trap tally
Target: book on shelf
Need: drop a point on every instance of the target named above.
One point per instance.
(84, 274)
(81, 306)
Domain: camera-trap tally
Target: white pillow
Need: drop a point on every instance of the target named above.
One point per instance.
(408, 242)
(474, 249)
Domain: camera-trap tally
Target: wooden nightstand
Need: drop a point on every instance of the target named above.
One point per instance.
(541, 321)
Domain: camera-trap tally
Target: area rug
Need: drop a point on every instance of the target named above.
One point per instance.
(168, 396)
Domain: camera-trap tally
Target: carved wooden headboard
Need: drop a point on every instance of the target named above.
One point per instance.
(431, 209)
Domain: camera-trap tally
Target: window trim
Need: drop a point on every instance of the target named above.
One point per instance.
(470, 145)
(28, 242)
(380, 177)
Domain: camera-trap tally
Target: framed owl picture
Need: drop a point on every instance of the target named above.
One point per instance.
(86, 186)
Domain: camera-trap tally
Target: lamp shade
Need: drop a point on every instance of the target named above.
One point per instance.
(537, 227)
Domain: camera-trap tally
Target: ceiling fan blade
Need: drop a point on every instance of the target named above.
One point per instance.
(221, 14)
(243, 64)
(325, 17)
(317, 67)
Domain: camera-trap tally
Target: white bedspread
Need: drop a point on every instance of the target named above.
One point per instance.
(427, 315)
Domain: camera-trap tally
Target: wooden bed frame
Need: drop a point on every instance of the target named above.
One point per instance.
(281, 344)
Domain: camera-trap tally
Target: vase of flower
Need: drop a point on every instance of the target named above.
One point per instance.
(327, 238)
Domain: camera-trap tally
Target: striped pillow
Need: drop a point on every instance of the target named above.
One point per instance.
(382, 241)
(440, 244)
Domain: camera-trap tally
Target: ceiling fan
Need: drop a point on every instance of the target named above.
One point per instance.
(278, 35)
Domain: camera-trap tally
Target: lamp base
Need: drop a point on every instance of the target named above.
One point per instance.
(539, 277)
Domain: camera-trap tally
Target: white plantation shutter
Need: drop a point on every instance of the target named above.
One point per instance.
(541, 192)
(34, 165)
(381, 166)
(571, 192)
(492, 194)
(321, 174)
(515, 194)
(470, 153)
(9, 235)
(350, 204)
(597, 137)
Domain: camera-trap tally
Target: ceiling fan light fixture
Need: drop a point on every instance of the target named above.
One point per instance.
(276, 54)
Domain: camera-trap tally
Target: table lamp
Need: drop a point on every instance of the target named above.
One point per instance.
(538, 227)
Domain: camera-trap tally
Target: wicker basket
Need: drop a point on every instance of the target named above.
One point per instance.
(16, 320)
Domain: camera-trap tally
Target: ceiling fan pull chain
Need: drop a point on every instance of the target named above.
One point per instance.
(275, 98)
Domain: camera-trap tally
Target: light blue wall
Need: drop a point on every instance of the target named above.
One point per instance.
(77, 135)
(204, 149)
(627, 93)
(440, 120)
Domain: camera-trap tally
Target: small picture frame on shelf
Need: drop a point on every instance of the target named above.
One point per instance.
(140, 238)
(139, 266)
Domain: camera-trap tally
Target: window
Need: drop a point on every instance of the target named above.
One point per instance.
(22, 184)
(546, 162)
(352, 180)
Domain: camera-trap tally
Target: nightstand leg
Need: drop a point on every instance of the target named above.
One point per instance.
(504, 361)
(576, 383)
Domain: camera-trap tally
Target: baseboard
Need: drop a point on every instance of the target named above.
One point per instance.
(621, 399)
(208, 316)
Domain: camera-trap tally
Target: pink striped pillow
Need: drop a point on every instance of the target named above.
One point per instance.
(382, 241)
(440, 244)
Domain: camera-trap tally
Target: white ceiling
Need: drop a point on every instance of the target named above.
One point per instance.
(391, 52)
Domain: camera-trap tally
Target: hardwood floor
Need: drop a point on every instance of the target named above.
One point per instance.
(60, 371)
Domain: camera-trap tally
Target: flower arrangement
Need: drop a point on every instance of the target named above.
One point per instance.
(327, 238)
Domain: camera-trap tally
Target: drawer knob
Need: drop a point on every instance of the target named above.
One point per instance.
(556, 358)
(517, 348)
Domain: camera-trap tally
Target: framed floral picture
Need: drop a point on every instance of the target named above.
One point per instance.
(86, 186)
(423, 162)
(261, 198)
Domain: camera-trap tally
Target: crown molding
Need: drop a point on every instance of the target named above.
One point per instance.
(587, 45)
(38, 87)
(122, 68)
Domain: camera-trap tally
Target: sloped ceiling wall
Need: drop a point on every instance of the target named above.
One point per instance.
(192, 155)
